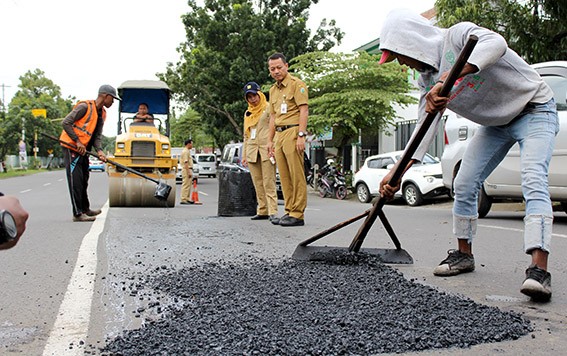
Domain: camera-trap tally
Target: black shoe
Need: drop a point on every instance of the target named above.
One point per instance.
(260, 217)
(277, 221)
(187, 202)
(93, 212)
(291, 221)
(456, 263)
(537, 284)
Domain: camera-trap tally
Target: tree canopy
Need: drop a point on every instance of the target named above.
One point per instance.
(348, 92)
(227, 45)
(536, 29)
(35, 92)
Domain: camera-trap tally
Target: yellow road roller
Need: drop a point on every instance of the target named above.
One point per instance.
(142, 145)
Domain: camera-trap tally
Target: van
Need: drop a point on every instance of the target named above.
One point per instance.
(207, 164)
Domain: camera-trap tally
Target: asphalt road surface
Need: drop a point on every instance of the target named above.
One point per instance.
(68, 285)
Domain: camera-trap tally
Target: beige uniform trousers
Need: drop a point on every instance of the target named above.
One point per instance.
(186, 183)
(264, 178)
(292, 173)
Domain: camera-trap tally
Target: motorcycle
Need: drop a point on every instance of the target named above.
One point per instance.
(331, 182)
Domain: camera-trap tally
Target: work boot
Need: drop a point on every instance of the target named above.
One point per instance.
(83, 217)
(537, 284)
(291, 221)
(93, 212)
(456, 263)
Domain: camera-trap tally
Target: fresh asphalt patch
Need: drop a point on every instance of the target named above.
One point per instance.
(338, 306)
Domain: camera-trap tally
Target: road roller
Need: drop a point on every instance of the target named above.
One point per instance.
(142, 146)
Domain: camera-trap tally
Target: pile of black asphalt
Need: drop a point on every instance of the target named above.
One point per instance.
(340, 305)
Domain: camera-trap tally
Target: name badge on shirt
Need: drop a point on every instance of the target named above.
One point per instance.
(253, 133)
(283, 109)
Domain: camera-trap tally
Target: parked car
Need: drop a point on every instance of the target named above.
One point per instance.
(96, 165)
(422, 181)
(231, 158)
(505, 182)
(207, 164)
(176, 153)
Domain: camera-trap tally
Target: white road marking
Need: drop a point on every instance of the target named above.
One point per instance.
(46, 184)
(25, 191)
(74, 314)
(517, 230)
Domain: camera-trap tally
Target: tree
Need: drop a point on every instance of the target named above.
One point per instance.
(536, 29)
(228, 43)
(36, 92)
(348, 92)
(188, 125)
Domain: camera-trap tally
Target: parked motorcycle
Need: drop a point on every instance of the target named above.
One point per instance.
(331, 182)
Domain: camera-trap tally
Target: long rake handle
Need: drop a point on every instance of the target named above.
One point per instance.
(413, 145)
(107, 160)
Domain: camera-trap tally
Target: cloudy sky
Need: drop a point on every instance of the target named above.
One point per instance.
(81, 44)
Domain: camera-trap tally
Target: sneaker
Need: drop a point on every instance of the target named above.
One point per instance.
(456, 263)
(93, 212)
(537, 284)
(83, 217)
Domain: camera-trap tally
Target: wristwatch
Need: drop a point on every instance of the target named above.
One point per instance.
(301, 134)
(8, 229)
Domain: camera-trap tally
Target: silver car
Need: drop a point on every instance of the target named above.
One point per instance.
(505, 182)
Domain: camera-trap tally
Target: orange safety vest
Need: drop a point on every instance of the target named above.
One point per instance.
(85, 126)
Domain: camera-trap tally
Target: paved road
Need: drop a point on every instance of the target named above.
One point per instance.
(58, 262)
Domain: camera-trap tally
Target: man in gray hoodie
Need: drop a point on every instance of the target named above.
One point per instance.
(500, 91)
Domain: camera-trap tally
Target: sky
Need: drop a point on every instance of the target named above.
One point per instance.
(81, 44)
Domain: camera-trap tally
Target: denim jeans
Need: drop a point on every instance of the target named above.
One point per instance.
(534, 129)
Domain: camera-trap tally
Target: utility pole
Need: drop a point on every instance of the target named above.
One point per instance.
(3, 97)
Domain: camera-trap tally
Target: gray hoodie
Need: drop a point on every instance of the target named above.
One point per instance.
(493, 96)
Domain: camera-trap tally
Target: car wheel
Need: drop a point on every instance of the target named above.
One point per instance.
(484, 203)
(412, 195)
(363, 193)
(341, 192)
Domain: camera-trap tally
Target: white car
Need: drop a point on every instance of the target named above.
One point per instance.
(207, 164)
(505, 182)
(423, 180)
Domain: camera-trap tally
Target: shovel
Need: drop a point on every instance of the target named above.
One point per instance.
(397, 255)
(162, 189)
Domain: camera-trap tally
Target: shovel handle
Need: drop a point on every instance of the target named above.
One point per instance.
(116, 164)
(413, 145)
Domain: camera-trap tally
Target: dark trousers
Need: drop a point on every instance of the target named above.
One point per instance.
(77, 168)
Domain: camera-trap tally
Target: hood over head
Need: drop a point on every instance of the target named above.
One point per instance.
(412, 35)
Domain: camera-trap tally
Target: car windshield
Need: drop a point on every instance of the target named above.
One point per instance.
(559, 86)
(206, 158)
(427, 159)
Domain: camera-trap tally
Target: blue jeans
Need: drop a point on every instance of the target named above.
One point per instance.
(534, 129)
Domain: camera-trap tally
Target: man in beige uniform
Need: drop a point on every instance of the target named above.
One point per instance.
(186, 172)
(262, 170)
(288, 117)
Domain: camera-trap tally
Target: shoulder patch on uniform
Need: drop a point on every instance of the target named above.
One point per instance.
(302, 90)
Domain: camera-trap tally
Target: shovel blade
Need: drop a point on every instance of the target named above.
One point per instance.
(386, 255)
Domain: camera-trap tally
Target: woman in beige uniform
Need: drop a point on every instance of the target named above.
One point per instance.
(260, 163)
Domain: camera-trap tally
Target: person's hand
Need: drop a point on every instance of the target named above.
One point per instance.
(244, 162)
(81, 149)
(433, 102)
(12, 204)
(386, 190)
(101, 156)
(271, 148)
(300, 144)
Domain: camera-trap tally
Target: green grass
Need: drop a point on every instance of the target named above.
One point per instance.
(20, 172)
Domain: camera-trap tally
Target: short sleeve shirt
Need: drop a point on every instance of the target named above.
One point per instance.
(186, 157)
(293, 93)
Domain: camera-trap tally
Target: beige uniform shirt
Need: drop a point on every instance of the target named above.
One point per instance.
(285, 99)
(256, 141)
(186, 157)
